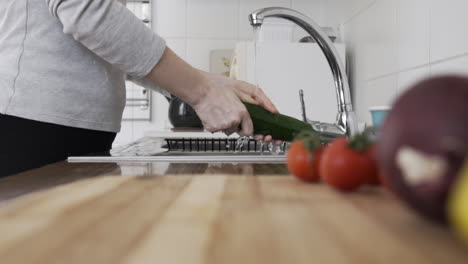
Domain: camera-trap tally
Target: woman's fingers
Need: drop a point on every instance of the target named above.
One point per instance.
(258, 137)
(264, 101)
(221, 108)
(255, 95)
(278, 142)
(246, 126)
(265, 138)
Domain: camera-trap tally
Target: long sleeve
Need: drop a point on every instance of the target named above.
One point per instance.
(112, 32)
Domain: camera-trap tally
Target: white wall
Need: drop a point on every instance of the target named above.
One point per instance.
(193, 27)
(394, 43)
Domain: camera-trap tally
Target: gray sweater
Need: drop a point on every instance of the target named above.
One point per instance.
(65, 61)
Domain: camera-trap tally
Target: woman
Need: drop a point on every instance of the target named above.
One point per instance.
(63, 65)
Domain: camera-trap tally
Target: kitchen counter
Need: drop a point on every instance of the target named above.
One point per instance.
(206, 213)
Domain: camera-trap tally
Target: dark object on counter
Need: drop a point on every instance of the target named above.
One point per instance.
(182, 114)
(280, 127)
(423, 143)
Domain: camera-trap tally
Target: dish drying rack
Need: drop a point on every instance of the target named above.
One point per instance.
(241, 144)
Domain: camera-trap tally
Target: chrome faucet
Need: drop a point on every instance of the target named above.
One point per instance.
(345, 124)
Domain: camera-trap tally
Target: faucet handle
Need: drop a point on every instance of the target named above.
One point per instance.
(301, 98)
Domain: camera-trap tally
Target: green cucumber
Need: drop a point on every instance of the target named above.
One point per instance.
(280, 127)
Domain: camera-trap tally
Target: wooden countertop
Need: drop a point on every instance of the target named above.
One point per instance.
(206, 213)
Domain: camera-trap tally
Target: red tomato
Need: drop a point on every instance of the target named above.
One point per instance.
(345, 168)
(303, 164)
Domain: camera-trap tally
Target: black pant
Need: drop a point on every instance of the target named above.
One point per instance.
(27, 144)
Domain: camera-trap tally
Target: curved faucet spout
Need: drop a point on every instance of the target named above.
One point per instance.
(345, 122)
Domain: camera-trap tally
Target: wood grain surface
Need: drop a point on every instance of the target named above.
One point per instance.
(64, 172)
(217, 218)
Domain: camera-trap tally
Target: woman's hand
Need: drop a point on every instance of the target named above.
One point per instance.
(216, 98)
(245, 91)
(221, 109)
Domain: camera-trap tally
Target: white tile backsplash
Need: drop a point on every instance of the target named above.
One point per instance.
(170, 18)
(449, 28)
(193, 27)
(215, 19)
(340, 11)
(452, 66)
(379, 92)
(355, 37)
(413, 33)
(313, 9)
(359, 100)
(408, 78)
(395, 43)
(380, 39)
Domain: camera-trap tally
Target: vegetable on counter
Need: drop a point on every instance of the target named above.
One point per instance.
(424, 141)
(303, 157)
(347, 164)
(280, 127)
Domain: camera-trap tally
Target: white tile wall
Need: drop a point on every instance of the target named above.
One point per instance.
(413, 33)
(340, 11)
(394, 43)
(380, 39)
(170, 18)
(452, 66)
(408, 78)
(193, 27)
(379, 92)
(215, 19)
(449, 23)
(313, 9)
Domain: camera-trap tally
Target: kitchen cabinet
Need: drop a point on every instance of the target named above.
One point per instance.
(207, 213)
